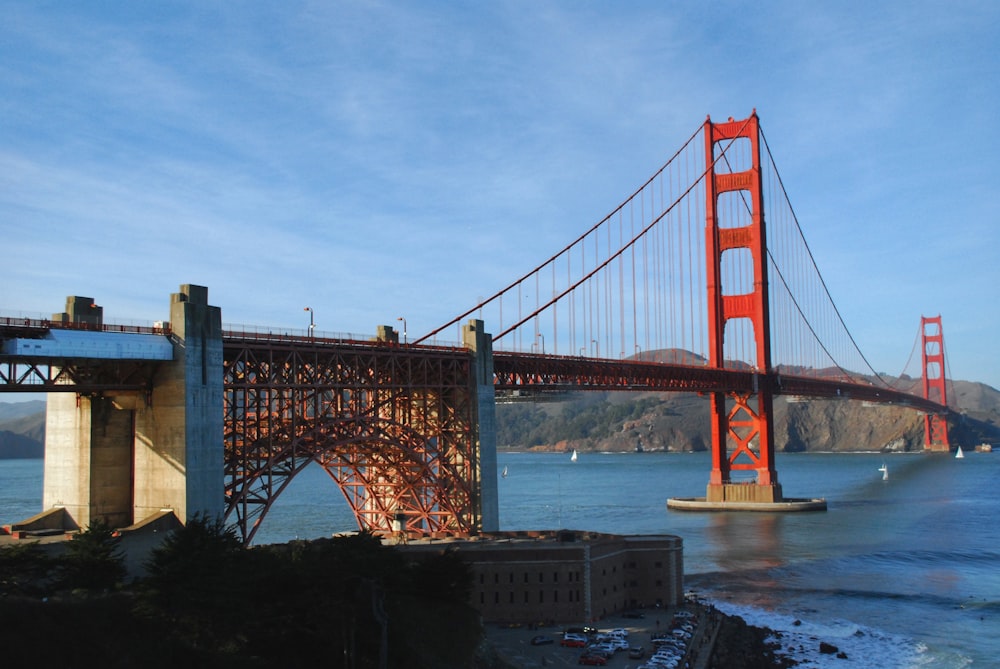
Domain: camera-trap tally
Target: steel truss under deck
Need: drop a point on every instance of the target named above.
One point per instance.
(393, 426)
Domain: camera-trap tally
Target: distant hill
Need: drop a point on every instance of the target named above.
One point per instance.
(22, 429)
(12, 410)
(625, 421)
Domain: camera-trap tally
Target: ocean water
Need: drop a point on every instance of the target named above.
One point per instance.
(897, 573)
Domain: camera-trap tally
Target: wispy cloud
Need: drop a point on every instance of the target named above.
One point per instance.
(377, 158)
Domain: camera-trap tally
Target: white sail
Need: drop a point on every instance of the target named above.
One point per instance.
(959, 453)
(573, 457)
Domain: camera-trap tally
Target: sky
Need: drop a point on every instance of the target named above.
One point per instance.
(377, 160)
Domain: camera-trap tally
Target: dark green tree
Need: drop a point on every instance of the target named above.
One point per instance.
(93, 559)
(196, 583)
(25, 569)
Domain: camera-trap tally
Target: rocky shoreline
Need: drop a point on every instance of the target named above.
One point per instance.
(738, 645)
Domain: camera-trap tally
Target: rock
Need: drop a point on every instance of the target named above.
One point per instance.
(827, 648)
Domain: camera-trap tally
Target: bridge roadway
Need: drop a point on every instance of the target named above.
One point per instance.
(53, 370)
(551, 373)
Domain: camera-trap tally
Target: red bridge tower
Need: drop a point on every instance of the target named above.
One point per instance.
(744, 418)
(932, 355)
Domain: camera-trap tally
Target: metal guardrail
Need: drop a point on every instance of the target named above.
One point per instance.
(44, 324)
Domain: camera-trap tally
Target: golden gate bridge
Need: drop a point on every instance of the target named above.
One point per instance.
(700, 281)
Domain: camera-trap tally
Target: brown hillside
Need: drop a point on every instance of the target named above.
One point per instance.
(680, 422)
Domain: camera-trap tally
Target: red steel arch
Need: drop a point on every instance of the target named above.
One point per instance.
(394, 426)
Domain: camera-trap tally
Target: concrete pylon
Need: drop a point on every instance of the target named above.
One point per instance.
(179, 450)
(481, 343)
(124, 457)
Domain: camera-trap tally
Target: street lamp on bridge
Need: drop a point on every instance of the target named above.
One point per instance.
(404, 327)
(540, 335)
(312, 323)
(597, 348)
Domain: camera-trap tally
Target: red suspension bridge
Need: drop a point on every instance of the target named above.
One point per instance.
(705, 270)
(700, 281)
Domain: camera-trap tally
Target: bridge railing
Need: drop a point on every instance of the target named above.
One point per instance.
(41, 324)
(270, 334)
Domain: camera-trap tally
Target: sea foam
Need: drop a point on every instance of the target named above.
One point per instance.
(857, 646)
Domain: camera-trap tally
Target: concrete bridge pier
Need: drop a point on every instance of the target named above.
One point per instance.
(126, 457)
(477, 340)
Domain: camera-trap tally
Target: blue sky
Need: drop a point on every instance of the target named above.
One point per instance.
(383, 159)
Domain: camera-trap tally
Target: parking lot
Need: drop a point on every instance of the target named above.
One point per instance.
(514, 642)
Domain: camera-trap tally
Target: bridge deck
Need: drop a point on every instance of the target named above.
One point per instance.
(74, 344)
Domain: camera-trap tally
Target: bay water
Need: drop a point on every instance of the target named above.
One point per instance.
(897, 573)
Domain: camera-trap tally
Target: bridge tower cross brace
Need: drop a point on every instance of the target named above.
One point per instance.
(932, 358)
(743, 418)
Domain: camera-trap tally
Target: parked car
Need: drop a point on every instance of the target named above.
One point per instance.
(602, 648)
(583, 631)
(573, 641)
(636, 652)
(616, 642)
(542, 640)
(592, 660)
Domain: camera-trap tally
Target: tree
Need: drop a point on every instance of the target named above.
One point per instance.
(93, 559)
(24, 569)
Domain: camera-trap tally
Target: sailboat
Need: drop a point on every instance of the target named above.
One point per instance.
(572, 458)
(959, 453)
(504, 472)
(885, 472)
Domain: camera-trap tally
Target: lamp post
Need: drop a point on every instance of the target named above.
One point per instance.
(312, 323)
(597, 348)
(543, 342)
(404, 327)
